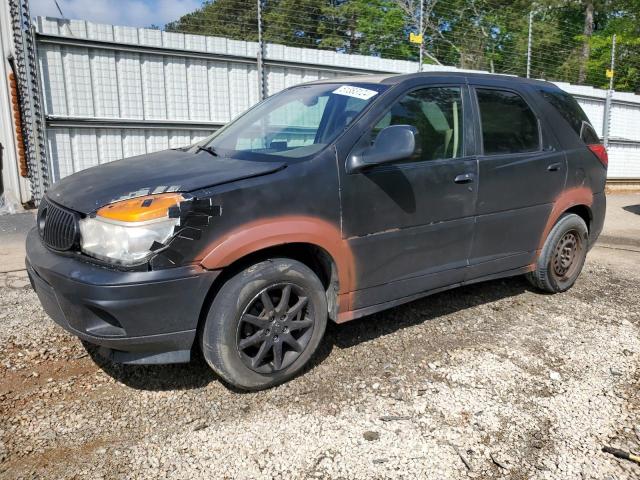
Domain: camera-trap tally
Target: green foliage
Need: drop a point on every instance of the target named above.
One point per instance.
(284, 24)
(627, 68)
(371, 27)
(235, 19)
(476, 34)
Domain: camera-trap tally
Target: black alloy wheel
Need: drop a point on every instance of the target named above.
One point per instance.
(265, 323)
(275, 328)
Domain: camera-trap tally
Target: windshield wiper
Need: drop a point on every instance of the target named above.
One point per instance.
(209, 150)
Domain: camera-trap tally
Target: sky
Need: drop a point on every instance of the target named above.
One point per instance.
(138, 13)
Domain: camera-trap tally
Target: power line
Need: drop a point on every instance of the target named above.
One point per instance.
(483, 35)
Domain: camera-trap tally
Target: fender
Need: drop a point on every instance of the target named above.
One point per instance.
(567, 199)
(270, 232)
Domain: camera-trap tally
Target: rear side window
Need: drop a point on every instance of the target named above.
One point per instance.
(589, 135)
(568, 107)
(508, 124)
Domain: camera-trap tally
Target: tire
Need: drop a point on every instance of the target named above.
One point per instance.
(250, 339)
(562, 256)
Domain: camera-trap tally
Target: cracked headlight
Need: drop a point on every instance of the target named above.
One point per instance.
(124, 232)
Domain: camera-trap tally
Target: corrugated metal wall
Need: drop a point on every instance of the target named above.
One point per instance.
(114, 91)
(624, 129)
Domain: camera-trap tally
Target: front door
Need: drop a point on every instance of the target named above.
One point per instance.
(409, 224)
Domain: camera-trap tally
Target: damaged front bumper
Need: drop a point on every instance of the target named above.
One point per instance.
(139, 317)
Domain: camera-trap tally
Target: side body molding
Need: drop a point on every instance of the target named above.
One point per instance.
(271, 232)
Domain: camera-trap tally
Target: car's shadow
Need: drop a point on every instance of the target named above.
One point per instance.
(181, 376)
(197, 373)
(632, 209)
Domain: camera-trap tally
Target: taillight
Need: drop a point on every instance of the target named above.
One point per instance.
(600, 151)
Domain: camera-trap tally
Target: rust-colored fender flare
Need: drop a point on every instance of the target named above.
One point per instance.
(569, 198)
(265, 233)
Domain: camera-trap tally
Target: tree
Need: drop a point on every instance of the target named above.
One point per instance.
(295, 22)
(371, 27)
(586, 42)
(237, 19)
(571, 38)
(627, 69)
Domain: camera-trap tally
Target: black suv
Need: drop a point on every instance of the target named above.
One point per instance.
(330, 200)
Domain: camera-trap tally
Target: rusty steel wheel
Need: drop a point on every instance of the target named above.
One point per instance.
(562, 256)
(563, 261)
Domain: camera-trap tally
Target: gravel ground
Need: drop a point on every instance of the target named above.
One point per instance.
(488, 381)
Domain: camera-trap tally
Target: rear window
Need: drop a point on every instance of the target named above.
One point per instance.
(508, 124)
(568, 107)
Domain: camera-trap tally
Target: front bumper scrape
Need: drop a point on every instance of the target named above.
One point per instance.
(141, 317)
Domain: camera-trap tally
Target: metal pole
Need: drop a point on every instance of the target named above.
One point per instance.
(613, 61)
(260, 57)
(529, 44)
(607, 105)
(420, 33)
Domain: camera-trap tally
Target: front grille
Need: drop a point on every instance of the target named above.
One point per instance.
(58, 226)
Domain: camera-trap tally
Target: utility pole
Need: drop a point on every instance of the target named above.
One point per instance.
(420, 31)
(260, 57)
(613, 61)
(529, 44)
(607, 105)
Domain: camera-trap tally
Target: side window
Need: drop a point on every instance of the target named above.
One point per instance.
(508, 124)
(588, 134)
(570, 109)
(437, 114)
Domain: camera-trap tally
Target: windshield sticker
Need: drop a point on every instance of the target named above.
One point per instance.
(356, 92)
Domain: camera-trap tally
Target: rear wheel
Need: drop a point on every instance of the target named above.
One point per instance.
(265, 324)
(562, 256)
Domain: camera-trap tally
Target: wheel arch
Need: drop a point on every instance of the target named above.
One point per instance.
(283, 232)
(584, 212)
(311, 255)
(314, 242)
(574, 200)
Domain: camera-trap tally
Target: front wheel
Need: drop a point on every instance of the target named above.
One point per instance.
(265, 324)
(562, 256)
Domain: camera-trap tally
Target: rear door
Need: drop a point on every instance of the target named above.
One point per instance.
(410, 223)
(521, 172)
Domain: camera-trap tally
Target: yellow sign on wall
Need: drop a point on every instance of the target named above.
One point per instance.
(413, 38)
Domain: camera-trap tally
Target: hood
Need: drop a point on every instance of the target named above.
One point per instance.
(169, 170)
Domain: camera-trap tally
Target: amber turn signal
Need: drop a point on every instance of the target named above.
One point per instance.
(141, 209)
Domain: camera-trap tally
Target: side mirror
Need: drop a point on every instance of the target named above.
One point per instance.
(393, 143)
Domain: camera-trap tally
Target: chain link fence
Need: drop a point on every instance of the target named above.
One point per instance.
(555, 42)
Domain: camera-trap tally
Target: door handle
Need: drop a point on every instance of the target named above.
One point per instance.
(554, 167)
(464, 178)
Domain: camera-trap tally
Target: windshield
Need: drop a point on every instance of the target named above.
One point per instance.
(295, 123)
